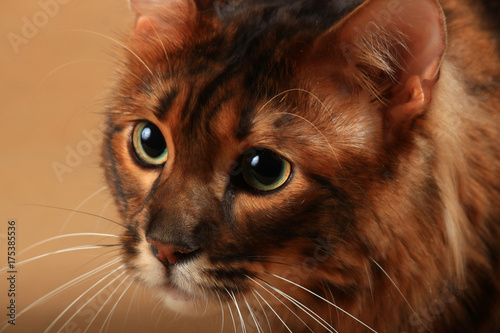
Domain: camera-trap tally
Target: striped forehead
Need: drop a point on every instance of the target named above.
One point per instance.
(245, 50)
(214, 84)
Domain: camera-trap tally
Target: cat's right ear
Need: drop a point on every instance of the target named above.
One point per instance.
(390, 48)
(167, 16)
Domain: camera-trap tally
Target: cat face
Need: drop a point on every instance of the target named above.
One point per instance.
(251, 153)
(233, 191)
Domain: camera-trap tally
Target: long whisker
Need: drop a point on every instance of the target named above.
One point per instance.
(83, 294)
(369, 283)
(64, 287)
(286, 306)
(399, 291)
(304, 119)
(324, 137)
(275, 313)
(134, 295)
(119, 43)
(70, 249)
(305, 269)
(68, 64)
(161, 43)
(336, 310)
(73, 211)
(231, 313)
(108, 318)
(103, 209)
(222, 312)
(263, 311)
(103, 305)
(304, 308)
(233, 297)
(257, 324)
(65, 236)
(324, 299)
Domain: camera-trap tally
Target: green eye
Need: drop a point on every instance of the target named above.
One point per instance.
(265, 170)
(149, 143)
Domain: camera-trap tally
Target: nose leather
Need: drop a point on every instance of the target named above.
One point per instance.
(170, 254)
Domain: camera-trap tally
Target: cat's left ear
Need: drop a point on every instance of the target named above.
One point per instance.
(391, 48)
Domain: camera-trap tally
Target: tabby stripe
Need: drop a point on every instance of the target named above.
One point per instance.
(165, 103)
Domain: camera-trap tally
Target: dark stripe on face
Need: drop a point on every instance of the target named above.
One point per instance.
(130, 240)
(206, 94)
(245, 122)
(232, 275)
(112, 168)
(343, 211)
(165, 103)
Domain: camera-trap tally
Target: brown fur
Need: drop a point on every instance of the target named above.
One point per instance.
(393, 217)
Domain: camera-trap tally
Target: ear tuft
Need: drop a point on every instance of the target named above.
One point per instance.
(392, 49)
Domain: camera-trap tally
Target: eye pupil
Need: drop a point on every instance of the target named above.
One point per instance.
(264, 170)
(152, 141)
(149, 143)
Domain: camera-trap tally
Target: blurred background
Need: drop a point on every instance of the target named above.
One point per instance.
(56, 67)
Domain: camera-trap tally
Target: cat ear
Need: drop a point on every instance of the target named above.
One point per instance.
(392, 48)
(162, 15)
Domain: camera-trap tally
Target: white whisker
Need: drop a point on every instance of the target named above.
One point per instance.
(103, 305)
(79, 297)
(222, 312)
(402, 295)
(336, 310)
(324, 299)
(73, 211)
(233, 297)
(65, 236)
(71, 249)
(231, 313)
(305, 309)
(263, 311)
(324, 137)
(108, 318)
(270, 307)
(134, 295)
(64, 287)
(119, 43)
(162, 45)
(286, 306)
(257, 324)
(80, 205)
(105, 206)
(369, 283)
(315, 127)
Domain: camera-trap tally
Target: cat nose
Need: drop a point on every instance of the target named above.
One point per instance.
(169, 254)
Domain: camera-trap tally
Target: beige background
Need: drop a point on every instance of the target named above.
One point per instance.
(52, 89)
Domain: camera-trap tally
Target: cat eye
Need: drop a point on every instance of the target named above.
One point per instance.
(265, 170)
(149, 143)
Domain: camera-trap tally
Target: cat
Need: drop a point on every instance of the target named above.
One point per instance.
(328, 166)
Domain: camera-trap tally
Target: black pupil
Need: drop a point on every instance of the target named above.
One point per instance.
(266, 167)
(152, 141)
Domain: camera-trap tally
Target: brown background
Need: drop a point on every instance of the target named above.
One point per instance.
(53, 87)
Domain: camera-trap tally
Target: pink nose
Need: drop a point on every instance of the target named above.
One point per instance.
(169, 254)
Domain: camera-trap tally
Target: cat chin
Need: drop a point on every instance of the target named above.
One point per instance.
(184, 303)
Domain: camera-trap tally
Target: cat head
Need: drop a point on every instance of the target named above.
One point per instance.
(256, 146)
